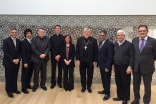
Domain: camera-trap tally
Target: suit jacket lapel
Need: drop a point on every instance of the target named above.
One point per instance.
(103, 45)
(137, 45)
(13, 43)
(146, 44)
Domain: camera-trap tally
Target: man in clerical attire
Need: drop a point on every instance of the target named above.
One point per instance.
(86, 56)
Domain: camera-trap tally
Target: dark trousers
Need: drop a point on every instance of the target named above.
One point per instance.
(42, 65)
(147, 79)
(26, 76)
(106, 77)
(68, 84)
(11, 75)
(84, 66)
(122, 80)
(53, 72)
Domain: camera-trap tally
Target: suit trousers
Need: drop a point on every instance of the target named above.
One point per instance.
(122, 80)
(42, 65)
(26, 75)
(106, 77)
(11, 75)
(84, 66)
(53, 72)
(147, 79)
(68, 70)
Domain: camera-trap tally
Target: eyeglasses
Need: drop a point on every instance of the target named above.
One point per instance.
(102, 35)
(142, 31)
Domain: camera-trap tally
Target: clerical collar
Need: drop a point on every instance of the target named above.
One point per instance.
(57, 34)
(120, 43)
(86, 38)
(143, 38)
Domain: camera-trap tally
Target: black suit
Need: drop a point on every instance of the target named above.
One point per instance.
(105, 60)
(123, 58)
(11, 70)
(144, 66)
(26, 59)
(56, 44)
(40, 64)
(68, 68)
(86, 58)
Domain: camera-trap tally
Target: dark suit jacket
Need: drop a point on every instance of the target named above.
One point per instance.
(56, 44)
(92, 50)
(36, 49)
(145, 59)
(71, 54)
(26, 51)
(10, 52)
(105, 55)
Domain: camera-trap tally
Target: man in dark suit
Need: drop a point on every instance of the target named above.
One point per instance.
(145, 55)
(40, 48)
(86, 56)
(105, 61)
(11, 62)
(56, 42)
(27, 65)
(123, 64)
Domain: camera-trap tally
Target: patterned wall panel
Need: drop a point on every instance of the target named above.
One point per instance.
(73, 25)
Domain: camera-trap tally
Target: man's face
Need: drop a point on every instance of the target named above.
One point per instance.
(28, 35)
(41, 33)
(86, 33)
(13, 33)
(142, 31)
(57, 30)
(102, 36)
(120, 36)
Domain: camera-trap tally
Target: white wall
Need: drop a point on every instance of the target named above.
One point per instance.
(78, 7)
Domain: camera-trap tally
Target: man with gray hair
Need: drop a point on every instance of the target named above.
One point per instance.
(123, 64)
(86, 56)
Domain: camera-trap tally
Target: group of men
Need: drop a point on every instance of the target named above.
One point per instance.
(123, 57)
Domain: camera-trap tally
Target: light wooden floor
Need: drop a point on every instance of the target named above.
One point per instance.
(59, 96)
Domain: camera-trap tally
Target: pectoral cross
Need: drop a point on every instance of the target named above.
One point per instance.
(85, 47)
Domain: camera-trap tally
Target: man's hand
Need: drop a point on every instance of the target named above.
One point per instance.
(26, 65)
(42, 56)
(78, 62)
(94, 63)
(106, 70)
(57, 57)
(16, 61)
(129, 70)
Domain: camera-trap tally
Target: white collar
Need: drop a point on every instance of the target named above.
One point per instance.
(13, 38)
(28, 39)
(144, 38)
(104, 41)
(121, 42)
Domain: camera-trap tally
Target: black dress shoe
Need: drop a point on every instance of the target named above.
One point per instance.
(52, 86)
(25, 91)
(60, 85)
(10, 95)
(66, 89)
(106, 97)
(17, 92)
(117, 99)
(124, 102)
(44, 88)
(34, 89)
(71, 89)
(135, 102)
(83, 90)
(89, 90)
(101, 92)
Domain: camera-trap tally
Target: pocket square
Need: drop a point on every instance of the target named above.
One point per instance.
(150, 46)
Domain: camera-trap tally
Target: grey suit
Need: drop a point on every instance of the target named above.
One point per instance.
(144, 66)
(40, 64)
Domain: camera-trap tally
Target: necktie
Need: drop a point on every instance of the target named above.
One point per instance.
(100, 45)
(141, 45)
(14, 40)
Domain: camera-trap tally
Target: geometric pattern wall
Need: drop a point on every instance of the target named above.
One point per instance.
(73, 25)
